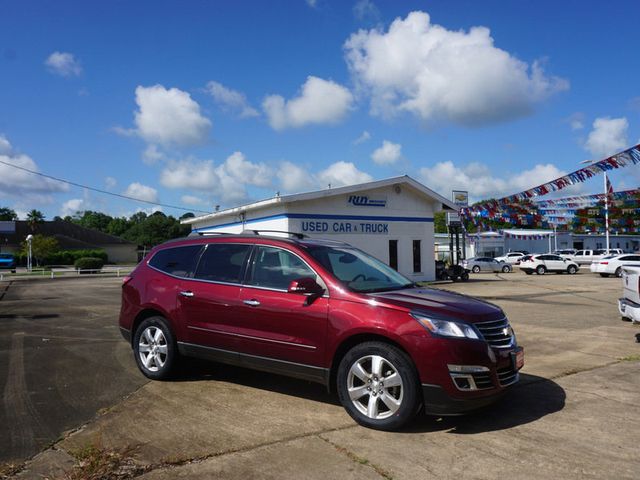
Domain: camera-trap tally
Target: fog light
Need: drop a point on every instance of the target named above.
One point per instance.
(463, 382)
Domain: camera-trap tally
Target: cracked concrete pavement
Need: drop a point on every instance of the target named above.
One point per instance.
(575, 413)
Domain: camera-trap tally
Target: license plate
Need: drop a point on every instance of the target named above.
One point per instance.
(518, 359)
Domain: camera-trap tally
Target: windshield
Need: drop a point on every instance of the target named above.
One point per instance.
(357, 270)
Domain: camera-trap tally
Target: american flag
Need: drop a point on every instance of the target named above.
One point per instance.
(609, 188)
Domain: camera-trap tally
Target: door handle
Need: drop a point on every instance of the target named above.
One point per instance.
(251, 303)
(187, 293)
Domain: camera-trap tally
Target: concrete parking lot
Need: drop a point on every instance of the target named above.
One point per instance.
(575, 413)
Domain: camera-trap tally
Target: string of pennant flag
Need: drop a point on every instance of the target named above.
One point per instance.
(628, 157)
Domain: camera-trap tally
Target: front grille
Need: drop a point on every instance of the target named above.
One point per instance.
(497, 333)
(507, 376)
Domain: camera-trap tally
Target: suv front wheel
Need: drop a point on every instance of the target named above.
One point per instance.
(378, 386)
(155, 348)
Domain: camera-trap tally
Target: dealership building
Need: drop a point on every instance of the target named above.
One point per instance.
(390, 219)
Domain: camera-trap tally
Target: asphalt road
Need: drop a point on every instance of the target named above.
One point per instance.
(62, 359)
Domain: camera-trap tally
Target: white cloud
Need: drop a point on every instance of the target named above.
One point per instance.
(388, 154)
(364, 136)
(482, 183)
(342, 173)
(152, 155)
(366, 11)
(110, 183)
(439, 74)
(5, 146)
(231, 100)
(63, 64)
(228, 180)
(169, 117)
(142, 192)
(70, 207)
(576, 121)
(294, 178)
(312, 3)
(22, 184)
(319, 102)
(609, 136)
(192, 200)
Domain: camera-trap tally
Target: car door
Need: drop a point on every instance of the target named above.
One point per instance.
(274, 322)
(208, 303)
(555, 263)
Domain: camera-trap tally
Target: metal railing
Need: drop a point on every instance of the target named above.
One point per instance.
(65, 272)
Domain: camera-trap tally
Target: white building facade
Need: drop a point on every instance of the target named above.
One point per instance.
(390, 219)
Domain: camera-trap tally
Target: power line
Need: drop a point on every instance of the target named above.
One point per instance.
(127, 197)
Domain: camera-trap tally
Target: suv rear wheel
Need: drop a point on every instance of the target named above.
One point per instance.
(155, 348)
(378, 386)
(541, 270)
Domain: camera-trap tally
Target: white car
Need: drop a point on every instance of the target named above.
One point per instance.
(629, 304)
(613, 264)
(511, 257)
(547, 262)
(585, 257)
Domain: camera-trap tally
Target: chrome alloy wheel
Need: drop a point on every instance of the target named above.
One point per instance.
(152, 348)
(375, 387)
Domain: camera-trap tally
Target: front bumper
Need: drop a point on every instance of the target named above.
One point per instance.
(629, 309)
(438, 402)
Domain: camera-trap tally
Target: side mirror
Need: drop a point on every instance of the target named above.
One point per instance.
(305, 286)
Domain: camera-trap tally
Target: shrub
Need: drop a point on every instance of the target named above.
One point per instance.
(88, 263)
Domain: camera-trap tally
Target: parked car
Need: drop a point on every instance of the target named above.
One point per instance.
(321, 311)
(629, 304)
(613, 264)
(566, 252)
(485, 264)
(511, 257)
(547, 262)
(7, 261)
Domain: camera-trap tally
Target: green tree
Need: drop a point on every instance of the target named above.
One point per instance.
(118, 226)
(41, 247)
(34, 217)
(440, 222)
(7, 214)
(94, 220)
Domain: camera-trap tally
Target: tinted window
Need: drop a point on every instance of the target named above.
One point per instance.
(178, 261)
(223, 262)
(417, 261)
(277, 268)
(393, 254)
(580, 253)
(554, 257)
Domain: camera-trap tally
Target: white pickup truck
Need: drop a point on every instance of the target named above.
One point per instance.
(585, 257)
(629, 304)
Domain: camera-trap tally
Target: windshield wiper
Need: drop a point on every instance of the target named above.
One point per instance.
(389, 289)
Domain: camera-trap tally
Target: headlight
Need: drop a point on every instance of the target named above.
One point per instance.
(447, 328)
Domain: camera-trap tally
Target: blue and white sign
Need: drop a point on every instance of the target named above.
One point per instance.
(366, 201)
(321, 226)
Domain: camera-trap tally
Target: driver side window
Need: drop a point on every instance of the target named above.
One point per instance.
(276, 268)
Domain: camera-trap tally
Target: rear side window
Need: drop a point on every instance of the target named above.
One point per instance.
(178, 261)
(223, 262)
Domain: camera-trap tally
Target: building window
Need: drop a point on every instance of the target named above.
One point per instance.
(393, 254)
(417, 261)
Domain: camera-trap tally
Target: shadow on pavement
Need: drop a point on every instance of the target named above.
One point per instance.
(533, 398)
(193, 369)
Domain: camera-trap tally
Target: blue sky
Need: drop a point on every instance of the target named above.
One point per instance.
(200, 104)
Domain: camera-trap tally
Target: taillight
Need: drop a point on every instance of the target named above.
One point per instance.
(604, 263)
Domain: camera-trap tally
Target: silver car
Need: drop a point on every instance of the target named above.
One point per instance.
(485, 264)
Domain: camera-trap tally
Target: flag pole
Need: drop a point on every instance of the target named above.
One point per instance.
(606, 209)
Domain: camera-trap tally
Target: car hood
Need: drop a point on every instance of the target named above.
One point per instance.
(441, 303)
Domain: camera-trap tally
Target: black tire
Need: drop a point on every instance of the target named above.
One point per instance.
(541, 270)
(161, 365)
(604, 275)
(475, 269)
(618, 272)
(506, 269)
(571, 270)
(393, 360)
(464, 277)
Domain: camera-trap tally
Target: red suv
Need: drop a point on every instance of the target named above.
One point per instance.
(322, 311)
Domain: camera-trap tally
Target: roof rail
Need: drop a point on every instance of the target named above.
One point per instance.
(297, 235)
(202, 234)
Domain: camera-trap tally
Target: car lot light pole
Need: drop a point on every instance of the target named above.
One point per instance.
(29, 240)
(606, 205)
